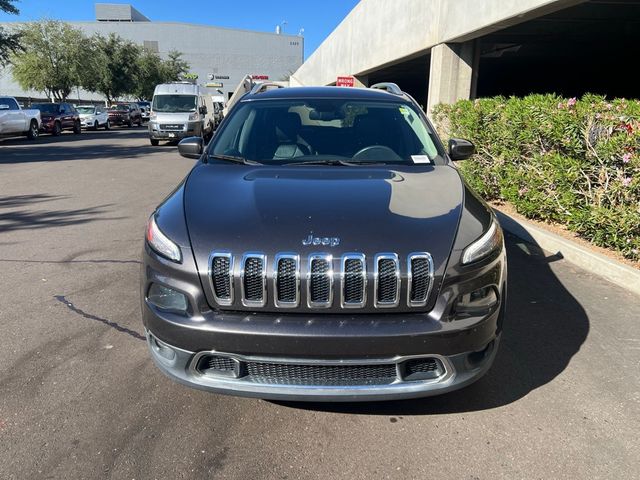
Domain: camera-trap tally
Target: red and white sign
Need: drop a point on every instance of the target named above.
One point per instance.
(260, 77)
(346, 82)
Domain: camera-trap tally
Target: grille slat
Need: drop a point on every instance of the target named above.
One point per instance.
(221, 277)
(287, 281)
(420, 267)
(320, 282)
(387, 280)
(354, 280)
(253, 279)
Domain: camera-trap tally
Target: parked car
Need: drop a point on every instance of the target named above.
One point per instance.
(14, 120)
(218, 109)
(324, 248)
(180, 110)
(93, 117)
(145, 110)
(57, 117)
(128, 114)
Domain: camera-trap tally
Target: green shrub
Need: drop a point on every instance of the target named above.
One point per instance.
(568, 161)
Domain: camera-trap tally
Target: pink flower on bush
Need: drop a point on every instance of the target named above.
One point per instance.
(598, 116)
(523, 191)
(609, 106)
(572, 102)
(626, 181)
(626, 158)
(560, 105)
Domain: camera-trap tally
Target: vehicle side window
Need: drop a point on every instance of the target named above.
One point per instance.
(13, 105)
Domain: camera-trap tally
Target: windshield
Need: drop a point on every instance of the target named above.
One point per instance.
(86, 109)
(174, 103)
(120, 107)
(331, 131)
(52, 108)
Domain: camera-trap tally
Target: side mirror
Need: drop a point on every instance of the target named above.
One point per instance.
(191, 147)
(460, 149)
(203, 110)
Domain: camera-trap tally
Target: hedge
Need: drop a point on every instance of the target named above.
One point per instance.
(567, 161)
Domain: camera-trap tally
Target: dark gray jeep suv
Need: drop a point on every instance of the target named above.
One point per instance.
(324, 247)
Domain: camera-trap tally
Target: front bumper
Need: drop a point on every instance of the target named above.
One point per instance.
(177, 132)
(455, 371)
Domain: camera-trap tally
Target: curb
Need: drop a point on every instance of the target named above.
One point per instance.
(595, 263)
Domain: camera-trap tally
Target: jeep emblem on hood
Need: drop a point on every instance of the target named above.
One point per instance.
(330, 241)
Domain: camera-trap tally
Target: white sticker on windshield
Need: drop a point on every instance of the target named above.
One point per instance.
(420, 159)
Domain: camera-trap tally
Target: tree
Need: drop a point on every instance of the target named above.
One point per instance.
(51, 59)
(9, 41)
(151, 72)
(175, 66)
(112, 69)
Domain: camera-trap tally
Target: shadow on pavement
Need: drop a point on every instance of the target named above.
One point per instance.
(69, 146)
(544, 328)
(35, 219)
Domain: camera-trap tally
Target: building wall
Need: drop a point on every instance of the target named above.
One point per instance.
(209, 50)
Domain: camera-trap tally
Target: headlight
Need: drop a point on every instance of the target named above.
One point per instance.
(153, 116)
(482, 247)
(160, 243)
(193, 116)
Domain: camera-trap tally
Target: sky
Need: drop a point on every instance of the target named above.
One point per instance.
(318, 18)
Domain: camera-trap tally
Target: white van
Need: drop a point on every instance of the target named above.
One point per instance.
(180, 110)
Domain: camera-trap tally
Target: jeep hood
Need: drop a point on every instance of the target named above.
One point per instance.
(406, 209)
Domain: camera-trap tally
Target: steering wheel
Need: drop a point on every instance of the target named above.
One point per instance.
(377, 153)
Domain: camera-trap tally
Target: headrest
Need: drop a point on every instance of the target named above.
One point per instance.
(287, 126)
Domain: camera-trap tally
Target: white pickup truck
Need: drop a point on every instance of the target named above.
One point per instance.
(16, 121)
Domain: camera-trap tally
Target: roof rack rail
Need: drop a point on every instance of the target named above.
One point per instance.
(261, 87)
(388, 87)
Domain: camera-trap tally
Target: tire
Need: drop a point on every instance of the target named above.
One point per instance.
(140, 122)
(154, 142)
(107, 126)
(77, 128)
(129, 123)
(57, 129)
(33, 131)
(95, 125)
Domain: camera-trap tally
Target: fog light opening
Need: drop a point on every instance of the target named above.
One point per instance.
(167, 298)
(163, 350)
(476, 359)
(477, 302)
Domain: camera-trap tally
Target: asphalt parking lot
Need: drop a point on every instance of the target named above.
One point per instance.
(80, 397)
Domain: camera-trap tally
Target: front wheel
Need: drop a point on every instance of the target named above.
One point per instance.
(95, 125)
(107, 126)
(77, 128)
(129, 123)
(154, 142)
(57, 129)
(140, 122)
(33, 132)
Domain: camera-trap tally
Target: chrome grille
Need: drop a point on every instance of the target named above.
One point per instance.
(253, 280)
(387, 278)
(221, 277)
(320, 281)
(420, 278)
(285, 281)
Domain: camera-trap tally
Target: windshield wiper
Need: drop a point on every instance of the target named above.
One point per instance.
(334, 162)
(235, 159)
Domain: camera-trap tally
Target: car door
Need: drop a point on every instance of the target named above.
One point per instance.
(65, 116)
(11, 118)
